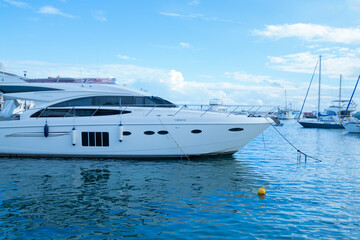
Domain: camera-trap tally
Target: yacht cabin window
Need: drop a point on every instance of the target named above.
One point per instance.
(72, 112)
(141, 101)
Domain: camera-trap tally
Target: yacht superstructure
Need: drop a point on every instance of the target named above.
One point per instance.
(89, 119)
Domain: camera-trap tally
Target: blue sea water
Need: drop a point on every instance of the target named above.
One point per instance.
(211, 198)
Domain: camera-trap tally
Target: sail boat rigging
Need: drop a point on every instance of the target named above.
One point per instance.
(332, 116)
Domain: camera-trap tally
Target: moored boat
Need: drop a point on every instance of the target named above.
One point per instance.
(108, 120)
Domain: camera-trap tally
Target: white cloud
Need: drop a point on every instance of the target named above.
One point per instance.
(17, 3)
(176, 80)
(184, 44)
(335, 61)
(194, 2)
(126, 57)
(49, 10)
(180, 45)
(263, 80)
(171, 14)
(169, 84)
(99, 15)
(198, 16)
(311, 33)
(232, 87)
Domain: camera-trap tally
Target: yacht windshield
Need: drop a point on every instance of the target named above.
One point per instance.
(134, 101)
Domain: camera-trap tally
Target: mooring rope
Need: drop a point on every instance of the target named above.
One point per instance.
(300, 153)
(174, 140)
(263, 141)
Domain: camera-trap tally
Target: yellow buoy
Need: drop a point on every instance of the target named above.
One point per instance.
(261, 191)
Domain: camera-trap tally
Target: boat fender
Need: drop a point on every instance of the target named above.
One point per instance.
(121, 132)
(73, 135)
(261, 191)
(46, 130)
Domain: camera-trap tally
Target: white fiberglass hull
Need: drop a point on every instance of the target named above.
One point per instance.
(352, 127)
(170, 137)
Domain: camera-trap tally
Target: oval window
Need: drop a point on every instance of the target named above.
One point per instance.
(149, 132)
(196, 131)
(235, 129)
(126, 133)
(163, 132)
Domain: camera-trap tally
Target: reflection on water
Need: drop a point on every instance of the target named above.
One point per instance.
(206, 197)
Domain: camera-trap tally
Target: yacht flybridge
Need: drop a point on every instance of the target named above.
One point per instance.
(70, 117)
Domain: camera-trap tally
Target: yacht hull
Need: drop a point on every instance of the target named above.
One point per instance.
(320, 125)
(352, 127)
(165, 137)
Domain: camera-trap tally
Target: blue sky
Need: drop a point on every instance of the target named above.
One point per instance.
(244, 52)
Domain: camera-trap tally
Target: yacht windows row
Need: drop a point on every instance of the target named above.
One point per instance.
(101, 139)
(48, 113)
(134, 101)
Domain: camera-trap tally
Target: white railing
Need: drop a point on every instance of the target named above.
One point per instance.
(252, 110)
(247, 110)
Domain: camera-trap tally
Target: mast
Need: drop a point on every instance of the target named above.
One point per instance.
(318, 115)
(285, 102)
(340, 96)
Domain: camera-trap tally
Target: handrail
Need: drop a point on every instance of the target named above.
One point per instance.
(73, 108)
(210, 107)
(179, 110)
(96, 110)
(201, 109)
(150, 111)
(232, 111)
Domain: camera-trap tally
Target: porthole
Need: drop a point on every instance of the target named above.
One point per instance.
(126, 133)
(163, 132)
(196, 131)
(235, 129)
(149, 132)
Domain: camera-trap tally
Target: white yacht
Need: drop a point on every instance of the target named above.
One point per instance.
(68, 117)
(352, 126)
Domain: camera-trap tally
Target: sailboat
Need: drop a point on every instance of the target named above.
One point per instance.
(331, 117)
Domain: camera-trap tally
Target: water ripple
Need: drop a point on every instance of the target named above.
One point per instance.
(212, 198)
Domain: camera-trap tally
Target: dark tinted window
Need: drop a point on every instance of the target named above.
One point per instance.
(105, 138)
(92, 139)
(77, 112)
(196, 131)
(126, 133)
(16, 89)
(84, 112)
(163, 132)
(104, 112)
(85, 138)
(149, 132)
(143, 101)
(235, 129)
(98, 140)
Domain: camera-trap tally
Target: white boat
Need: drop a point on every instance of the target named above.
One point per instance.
(352, 126)
(88, 119)
(285, 113)
(353, 123)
